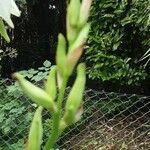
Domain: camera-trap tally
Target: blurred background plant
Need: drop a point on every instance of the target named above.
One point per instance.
(119, 37)
(16, 109)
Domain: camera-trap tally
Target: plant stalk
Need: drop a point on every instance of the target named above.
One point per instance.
(56, 119)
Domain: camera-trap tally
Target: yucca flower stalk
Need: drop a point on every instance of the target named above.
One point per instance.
(52, 96)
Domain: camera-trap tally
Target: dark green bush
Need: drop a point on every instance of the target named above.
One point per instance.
(118, 39)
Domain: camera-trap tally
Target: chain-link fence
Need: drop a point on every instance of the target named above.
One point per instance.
(111, 121)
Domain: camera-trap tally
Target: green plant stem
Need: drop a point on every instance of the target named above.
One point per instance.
(56, 119)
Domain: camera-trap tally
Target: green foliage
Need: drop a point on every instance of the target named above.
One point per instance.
(118, 38)
(16, 114)
(39, 74)
(18, 146)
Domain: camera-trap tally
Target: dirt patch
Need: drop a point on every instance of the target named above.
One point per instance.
(121, 133)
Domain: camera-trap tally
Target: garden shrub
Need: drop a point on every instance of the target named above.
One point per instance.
(16, 111)
(12, 114)
(118, 39)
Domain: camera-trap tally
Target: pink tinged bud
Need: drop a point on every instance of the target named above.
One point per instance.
(84, 12)
(82, 37)
(79, 114)
(59, 80)
(73, 57)
(77, 48)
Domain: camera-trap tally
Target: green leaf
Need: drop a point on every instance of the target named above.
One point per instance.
(3, 31)
(47, 64)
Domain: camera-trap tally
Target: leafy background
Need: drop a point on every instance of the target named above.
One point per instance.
(118, 39)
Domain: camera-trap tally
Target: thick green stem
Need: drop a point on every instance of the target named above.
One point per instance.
(56, 119)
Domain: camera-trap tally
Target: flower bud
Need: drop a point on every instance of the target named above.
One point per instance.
(73, 57)
(61, 55)
(72, 33)
(76, 49)
(36, 94)
(36, 131)
(74, 99)
(73, 12)
(84, 12)
(59, 80)
(69, 115)
(81, 37)
(50, 86)
(79, 114)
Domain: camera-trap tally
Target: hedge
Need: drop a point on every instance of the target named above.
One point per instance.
(118, 39)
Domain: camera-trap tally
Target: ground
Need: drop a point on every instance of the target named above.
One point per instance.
(123, 132)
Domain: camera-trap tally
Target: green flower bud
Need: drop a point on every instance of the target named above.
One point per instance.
(73, 12)
(50, 86)
(61, 55)
(36, 94)
(3, 31)
(76, 49)
(74, 99)
(72, 33)
(84, 12)
(36, 131)
(72, 20)
(69, 116)
(81, 37)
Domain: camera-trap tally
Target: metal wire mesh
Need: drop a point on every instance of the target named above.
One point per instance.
(110, 121)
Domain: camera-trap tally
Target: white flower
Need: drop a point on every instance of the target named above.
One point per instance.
(8, 8)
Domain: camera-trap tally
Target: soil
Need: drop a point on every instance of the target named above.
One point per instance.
(131, 132)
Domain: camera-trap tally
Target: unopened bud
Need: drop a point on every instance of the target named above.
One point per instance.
(75, 97)
(84, 12)
(59, 80)
(73, 12)
(82, 37)
(36, 94)
(72, 33)
(50, 86)
(36, 131)
(61, 55)
(73, 57)
(77, 48)
(71, 116)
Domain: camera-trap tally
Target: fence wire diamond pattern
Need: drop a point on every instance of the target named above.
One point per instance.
(111, 121)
